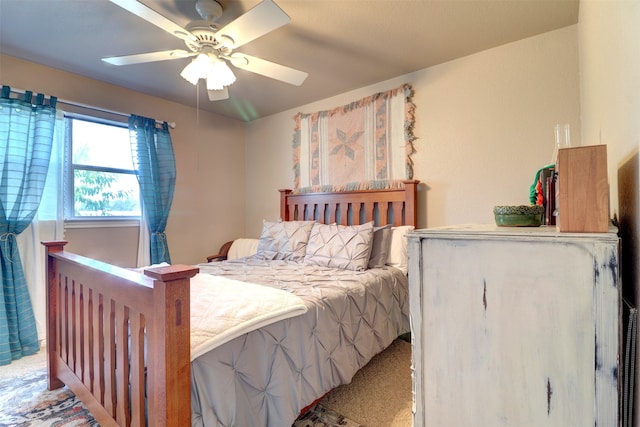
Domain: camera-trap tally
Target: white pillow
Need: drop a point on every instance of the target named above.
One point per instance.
(340, 246)
(398, 249)
(285, 240)
(241, 248)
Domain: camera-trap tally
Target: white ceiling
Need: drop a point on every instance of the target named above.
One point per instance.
(342, 44)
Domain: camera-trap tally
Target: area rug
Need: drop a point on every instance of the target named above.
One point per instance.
(26, 402)
(319, 416)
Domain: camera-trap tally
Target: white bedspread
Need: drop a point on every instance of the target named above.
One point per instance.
(223, 309)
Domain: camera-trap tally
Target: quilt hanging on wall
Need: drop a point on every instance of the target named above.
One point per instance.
(367, 142)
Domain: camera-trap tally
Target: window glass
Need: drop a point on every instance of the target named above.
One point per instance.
(100, 144)
(101, 182)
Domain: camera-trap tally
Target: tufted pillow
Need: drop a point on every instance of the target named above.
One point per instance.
(398, 256)
(340, 246)
(284, 240)
(380, 246)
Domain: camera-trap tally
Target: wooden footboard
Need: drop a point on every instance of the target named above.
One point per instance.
(120, 339)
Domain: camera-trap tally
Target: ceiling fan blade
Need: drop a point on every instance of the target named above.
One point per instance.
(258, 21)
(148, 57)
(218, 95)
(155, 18)
(268, 68)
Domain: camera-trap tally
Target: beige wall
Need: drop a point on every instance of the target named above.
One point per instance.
(484, 125)
(209, 198)
(609, 40)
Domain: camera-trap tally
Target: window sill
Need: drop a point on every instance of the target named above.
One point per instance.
(101, 223)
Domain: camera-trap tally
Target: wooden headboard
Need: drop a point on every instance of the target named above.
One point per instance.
(395, 206)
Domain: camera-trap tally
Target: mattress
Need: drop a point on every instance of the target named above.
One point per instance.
(267, 376)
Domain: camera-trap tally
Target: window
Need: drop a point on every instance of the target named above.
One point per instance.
(100, 179)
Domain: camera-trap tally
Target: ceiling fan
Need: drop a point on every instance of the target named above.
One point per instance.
(213, 45)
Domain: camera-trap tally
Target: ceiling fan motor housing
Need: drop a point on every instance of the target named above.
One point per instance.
(206, 39)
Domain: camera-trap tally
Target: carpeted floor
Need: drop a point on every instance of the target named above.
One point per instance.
(380, 393)
(378, 396)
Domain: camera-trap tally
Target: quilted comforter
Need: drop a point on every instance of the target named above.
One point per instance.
(267, 376)
(221, 311)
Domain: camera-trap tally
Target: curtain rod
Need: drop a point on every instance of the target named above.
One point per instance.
(172, 125)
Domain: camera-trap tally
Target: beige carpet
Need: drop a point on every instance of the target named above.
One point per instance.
(380, 393)
(25, 365)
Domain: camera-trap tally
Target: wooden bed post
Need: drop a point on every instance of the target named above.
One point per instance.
(53, 382)
(169, 348)
(410, 211)
(284, 210)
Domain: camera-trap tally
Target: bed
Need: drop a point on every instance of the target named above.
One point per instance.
(123, 340)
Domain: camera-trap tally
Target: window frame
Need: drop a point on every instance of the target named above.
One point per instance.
(70, 219)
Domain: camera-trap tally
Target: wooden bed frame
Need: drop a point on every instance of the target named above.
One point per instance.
(98, 316)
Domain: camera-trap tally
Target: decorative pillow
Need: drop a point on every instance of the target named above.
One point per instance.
(340, 246)
(398, 248)
(285, 240)
(242, 248)
(380, 246)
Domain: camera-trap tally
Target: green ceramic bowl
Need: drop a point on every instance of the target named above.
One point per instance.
(518, 216)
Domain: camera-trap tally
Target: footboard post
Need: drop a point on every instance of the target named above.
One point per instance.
(169, 353)
(53, 382)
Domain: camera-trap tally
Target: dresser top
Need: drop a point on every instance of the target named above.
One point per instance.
(494, 231)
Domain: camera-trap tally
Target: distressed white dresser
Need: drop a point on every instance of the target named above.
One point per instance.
(514, 327)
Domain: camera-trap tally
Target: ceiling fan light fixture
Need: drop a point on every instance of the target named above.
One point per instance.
(214, 70)
(196, 69)
(219, 76)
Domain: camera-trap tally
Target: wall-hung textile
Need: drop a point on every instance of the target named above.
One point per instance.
(367, 140)
(26, 135)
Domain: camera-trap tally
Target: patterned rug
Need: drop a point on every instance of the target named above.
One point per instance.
(26, 402)
(319, 416)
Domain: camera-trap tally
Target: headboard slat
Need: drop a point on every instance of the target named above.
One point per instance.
(369, 208)
(396, 208)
